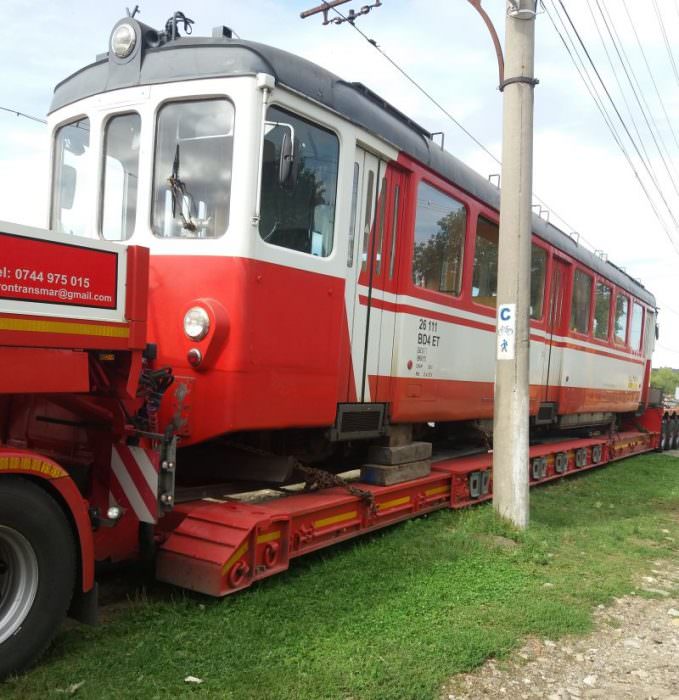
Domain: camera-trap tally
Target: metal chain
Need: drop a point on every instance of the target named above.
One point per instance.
(315, 479)
(320, 479)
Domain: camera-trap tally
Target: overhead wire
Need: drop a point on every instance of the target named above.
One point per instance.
(617, 80)
(635, 146)
(664, 307)
(608, 120)
(666, 40)
(650, 72)
(411, 80)
(434, 101)
(17, 113)
(581, 69)
(638, 94)
(666, 349)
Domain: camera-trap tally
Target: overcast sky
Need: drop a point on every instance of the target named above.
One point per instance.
(579, 171)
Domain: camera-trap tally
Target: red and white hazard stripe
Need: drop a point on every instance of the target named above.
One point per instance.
(135, 474)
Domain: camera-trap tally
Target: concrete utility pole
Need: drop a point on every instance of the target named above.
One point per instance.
(510, 422)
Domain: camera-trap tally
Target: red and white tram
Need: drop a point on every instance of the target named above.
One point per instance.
(317, 260)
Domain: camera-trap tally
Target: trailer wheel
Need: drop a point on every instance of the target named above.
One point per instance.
(37, 572)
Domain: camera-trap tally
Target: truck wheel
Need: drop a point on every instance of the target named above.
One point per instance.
(37, 572)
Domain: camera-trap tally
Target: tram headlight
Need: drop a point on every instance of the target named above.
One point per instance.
(123, 40)
(196, 323)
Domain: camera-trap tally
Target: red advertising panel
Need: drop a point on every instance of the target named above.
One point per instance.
(48, 272)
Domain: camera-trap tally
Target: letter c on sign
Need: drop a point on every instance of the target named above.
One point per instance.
(505, 314)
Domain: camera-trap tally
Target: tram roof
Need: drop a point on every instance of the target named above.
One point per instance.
(193, 58)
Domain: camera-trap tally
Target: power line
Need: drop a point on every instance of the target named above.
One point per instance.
(608, 121)
(411, 80)
(17, 113)
(375, 45)
(666, 349)
(650, 72)
(666, 40)
(617, 80)
(650, 174)
(664, 307)
(620, 51)
(581, 69)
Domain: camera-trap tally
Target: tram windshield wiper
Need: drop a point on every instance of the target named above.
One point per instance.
(180, 195)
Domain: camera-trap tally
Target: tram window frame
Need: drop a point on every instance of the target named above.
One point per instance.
(79, 170)
(368, 217)
(129, 232)
(599, 284)
(354, 211)
(394, 227)
(489, 301)
(578, 313)
(616, 337)
(157, 212)
(639, 340)
(381, 214)
(454, 290)
(301, 239)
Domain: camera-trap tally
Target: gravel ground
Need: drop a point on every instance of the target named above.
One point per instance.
(632, 653)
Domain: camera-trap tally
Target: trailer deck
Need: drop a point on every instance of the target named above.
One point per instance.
(218, 546)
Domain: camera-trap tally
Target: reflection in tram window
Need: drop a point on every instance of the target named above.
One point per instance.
(440, 225)
(602, 310)
(73, 182)
(484, 278)
(621, 312)
(299, 184)
(581, 302)
(192, 173)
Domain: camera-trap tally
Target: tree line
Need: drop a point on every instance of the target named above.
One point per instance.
(666, 379)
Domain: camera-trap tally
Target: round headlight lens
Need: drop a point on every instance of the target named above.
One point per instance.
(196, 323)
(123, 40)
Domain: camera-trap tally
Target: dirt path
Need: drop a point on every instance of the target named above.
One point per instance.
(633, 653)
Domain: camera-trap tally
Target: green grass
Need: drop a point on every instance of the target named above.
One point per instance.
(391, 615)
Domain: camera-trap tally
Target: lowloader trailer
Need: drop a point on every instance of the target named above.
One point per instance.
(87, 474)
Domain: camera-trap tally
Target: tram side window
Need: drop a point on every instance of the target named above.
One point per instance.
(581, 301)
(440, 225)
(538, 266)
(484, 277)
(121, 175)
(73, 184)
(621, 312)
(192, 172)
(602, 310)
(298, 207)
(636, 326)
